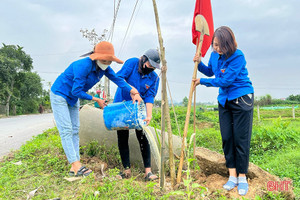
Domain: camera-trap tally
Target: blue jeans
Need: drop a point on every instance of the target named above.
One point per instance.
(67, 122)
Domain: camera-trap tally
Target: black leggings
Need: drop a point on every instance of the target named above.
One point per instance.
(123, 136)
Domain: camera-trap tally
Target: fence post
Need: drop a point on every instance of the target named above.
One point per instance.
(258, 116)
(293, 109)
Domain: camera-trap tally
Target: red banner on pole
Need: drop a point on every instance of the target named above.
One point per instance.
(203, 7)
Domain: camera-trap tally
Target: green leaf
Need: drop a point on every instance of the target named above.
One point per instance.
(187, 181)
(191, 159)
(195, 185)
(177, 193)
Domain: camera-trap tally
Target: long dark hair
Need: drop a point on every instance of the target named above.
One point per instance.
(227, 42)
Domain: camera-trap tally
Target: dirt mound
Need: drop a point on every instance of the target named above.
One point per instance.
(214, 175)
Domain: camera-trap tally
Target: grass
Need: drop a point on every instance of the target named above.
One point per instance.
(44, 165)
(284, 113)
(284, 163)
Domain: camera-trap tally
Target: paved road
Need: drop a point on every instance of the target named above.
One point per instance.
(15, 131)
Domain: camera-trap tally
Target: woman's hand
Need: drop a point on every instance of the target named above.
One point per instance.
(101, 102)
(136, 97)
(148, 119)
(197, 58)
(196, 82)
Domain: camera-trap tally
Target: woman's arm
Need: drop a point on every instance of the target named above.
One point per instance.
(81, 70)
(149, 107)
(228, 76)
(206, 70)
(120, 82)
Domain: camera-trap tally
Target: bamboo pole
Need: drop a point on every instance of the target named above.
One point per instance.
(188, 112)
(194, 147)
(165, 115)
(293, 110)
(170, 140)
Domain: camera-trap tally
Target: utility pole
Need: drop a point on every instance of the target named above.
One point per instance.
(107, 87)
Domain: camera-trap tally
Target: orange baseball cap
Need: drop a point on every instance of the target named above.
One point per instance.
(105, 51)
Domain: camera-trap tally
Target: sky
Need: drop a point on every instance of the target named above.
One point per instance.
(267, 31)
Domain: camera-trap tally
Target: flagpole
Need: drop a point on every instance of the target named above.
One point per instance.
(202, 23)
(202, 27)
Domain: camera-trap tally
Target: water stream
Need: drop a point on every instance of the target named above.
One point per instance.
(153, 146)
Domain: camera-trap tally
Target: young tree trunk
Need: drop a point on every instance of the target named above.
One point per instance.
(7, 105)
(15, 110)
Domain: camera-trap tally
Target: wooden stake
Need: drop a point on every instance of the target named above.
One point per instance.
(293, 110)
(170, 140)
(165, 108)
(186, 125)
(194, 149)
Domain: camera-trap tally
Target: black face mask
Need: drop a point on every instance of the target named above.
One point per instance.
(142, 67)
(146, 70)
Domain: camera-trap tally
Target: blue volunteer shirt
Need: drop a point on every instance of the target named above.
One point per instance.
(147, 85)
(231, 75)
(81, 76)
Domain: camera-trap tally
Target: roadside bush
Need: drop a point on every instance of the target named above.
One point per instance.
(273, 137)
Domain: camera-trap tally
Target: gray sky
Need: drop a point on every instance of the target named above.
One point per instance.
(267, 31)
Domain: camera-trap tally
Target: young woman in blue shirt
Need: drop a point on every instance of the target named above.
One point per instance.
(73, 84)
(139, 73)
(228, 65)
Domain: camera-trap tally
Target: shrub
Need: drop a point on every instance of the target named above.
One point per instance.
(273, 137)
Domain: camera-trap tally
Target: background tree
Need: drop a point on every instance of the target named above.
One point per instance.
(157, 103)
(185, 101)
(13, 62)
(264, 100)
(30, 90)
(294, 98)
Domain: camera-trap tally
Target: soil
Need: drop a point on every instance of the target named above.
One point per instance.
(202, 125)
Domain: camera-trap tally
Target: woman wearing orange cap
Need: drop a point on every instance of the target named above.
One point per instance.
(73, 84)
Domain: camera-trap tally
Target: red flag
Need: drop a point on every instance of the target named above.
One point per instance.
(203, 7)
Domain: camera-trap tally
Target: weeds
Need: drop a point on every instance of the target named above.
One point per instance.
(190, 187)
(109, 155)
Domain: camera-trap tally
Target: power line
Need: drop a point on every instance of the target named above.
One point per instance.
(112, 28)
(122, 45)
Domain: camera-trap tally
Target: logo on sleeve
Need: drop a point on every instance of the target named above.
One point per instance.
(222, 70)
(147, 86)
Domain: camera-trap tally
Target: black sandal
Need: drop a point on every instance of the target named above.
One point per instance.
(71, 173)
(82, 170)
(123, 175)
(147, 177)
